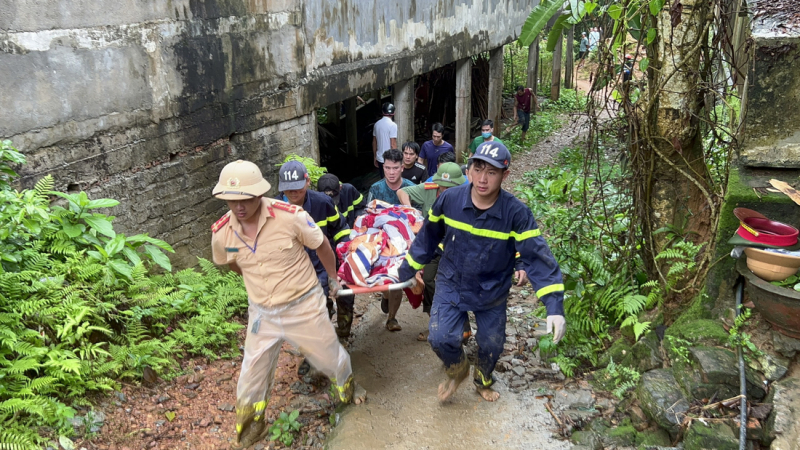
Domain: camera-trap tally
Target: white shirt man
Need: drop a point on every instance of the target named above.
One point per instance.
(384, 136)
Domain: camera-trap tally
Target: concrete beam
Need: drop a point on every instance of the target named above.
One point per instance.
(463, 106)
(495, 94)
(351, 127)
(404, 110)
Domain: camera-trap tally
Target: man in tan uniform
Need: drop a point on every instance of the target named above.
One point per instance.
(263, 240)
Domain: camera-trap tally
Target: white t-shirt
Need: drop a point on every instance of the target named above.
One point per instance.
(384, 130)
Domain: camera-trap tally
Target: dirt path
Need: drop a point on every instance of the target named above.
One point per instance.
(401, 376)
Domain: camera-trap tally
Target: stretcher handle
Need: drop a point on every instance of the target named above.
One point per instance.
(382, 288)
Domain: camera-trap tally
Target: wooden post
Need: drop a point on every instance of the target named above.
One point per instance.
(351, 127)
(463, 106)
(569, 64)
(555, 83)
(533, 68)
(376, 94)
(404, 111)
(495, 94)
(334, 114)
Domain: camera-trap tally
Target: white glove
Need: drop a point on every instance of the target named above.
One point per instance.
(558, 325)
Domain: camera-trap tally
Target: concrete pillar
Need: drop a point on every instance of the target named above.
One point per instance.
(351, 127)
(555, 83)
(334, 114)
(533, 67)
(495, 94)
(569, 63)
(464, 106)
(404, 110)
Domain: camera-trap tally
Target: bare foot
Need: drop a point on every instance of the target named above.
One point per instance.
(359, 395)
(488, 394)
(450, 386)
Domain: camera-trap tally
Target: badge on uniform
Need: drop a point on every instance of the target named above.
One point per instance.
(231, 249)
(309, 222)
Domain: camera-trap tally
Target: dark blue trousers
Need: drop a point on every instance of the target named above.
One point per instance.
(446, 328)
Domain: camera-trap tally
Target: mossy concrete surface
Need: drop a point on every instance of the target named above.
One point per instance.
(747, 188)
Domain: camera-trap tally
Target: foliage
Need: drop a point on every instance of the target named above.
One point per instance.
(314, 171)
(79, 309)
(793, 282)
(739, 338)
(545, 122)
(679, 348)
(285, 427)
(537, 20)
(9, 157)
(617, 378)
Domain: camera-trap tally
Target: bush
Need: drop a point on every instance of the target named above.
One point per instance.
(80, 308)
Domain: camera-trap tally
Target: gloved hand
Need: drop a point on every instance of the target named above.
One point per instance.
(333, 287)
(558, 325)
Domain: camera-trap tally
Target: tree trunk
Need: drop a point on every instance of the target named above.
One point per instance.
(672, 176)
(555, 83)
(569, 66)
(533, 67)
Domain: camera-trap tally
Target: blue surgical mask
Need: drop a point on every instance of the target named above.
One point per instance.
(486, 135)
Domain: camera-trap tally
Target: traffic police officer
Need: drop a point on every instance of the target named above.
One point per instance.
(262, 239)
(482, 227)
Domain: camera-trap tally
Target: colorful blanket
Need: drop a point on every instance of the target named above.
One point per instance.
(378, 244)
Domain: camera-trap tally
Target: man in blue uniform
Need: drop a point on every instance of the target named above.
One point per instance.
(482, 227)
(293, 184)
(345, 196)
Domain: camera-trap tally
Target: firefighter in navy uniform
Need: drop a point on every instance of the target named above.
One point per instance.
(482, 227)
(345, 196)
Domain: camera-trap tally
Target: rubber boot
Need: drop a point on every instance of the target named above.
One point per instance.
(344, 321)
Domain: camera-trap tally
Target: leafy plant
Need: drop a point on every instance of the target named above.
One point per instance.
(617, 378)
(739, 338)
(314, 171)
(678, 348)
(285, 427)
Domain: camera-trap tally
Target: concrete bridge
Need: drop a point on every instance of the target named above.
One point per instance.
(145, 101)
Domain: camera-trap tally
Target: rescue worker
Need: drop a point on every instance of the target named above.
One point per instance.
(422, 197)
(293, 184)
(483, 227)
(263, 239)
(345, 196)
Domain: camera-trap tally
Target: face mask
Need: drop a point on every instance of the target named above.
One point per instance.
(486, 135)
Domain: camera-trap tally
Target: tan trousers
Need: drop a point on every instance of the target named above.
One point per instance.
(303, 323)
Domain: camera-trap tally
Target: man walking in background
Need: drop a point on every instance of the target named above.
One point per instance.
(487, 135)
(523, 100)
(384, 136)
(412, 170)
(431, 150)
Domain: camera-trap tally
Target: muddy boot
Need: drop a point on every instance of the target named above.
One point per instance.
(351, 392)
(344, 321)
(304, 368)
(250, 431)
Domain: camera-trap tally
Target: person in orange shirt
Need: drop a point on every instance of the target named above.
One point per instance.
(264, 240)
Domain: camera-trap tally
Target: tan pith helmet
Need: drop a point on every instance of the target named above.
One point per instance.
(240, 180)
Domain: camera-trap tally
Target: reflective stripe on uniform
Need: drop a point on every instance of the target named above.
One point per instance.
(413, 263)
(549, 290)
(352, 207)
(341, 234)
(483, 232)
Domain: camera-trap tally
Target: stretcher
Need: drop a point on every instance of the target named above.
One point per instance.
(382, 288)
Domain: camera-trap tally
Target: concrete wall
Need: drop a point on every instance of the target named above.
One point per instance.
(144, 101)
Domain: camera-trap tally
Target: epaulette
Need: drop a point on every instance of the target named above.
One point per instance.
(419, 165)
(431, 186)
(288, 207)
(221, 222)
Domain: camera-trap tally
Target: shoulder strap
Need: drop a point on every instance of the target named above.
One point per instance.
(288, 207)
(431, 186)
(221, 222)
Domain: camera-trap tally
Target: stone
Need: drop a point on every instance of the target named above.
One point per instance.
(121, 397)
(517, 362)
(715, 435)
(511, 340)
(519, 384)
(518, 370)
(587, 439)
(785, 345)
(205, 423)
(189, 394)
(622, 436)
(618, 351)
(197, 377)
(662, 400)
(218, 419)
(700, 331)
(574, 398)
(506, 358)
(508, 347)
(163, 398)
(502, 367)
(638, 418)
(192, 386)
(714, 371)
(783, 426)
(644, 355)
(224, 378)
(653, 438)
(773, 367)
(227, 407)
(259, 447)
(531, 342)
